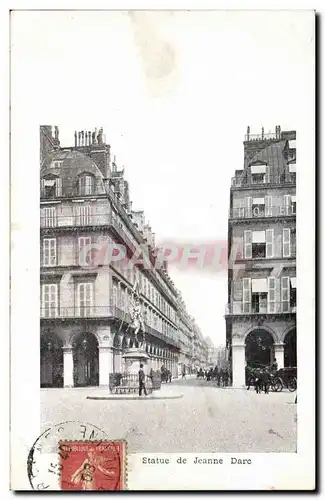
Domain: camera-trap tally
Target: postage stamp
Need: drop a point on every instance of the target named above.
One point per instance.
(76, 455)
(91, 466)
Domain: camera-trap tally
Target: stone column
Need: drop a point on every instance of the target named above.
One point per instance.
(117, 361)
(105, 364)
(279, 354)
(238, 362)
(67, 366)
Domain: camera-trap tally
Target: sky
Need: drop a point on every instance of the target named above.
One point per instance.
(174, 93)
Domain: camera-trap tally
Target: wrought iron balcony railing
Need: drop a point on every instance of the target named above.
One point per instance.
(250, 180)
(262, 211)
(270, 308)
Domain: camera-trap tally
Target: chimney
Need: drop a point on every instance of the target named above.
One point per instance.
(100, 152)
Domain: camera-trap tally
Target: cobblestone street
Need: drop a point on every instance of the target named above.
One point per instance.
(205, 419)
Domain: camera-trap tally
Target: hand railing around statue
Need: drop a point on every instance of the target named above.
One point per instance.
(128, 383)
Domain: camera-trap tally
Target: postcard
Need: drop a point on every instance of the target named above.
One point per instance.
(162, 265)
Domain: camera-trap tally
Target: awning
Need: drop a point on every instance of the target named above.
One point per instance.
(258, 169)
(293, 199)
(292, 167)
(258, 201)
(49, 182)
(258, 237)
(259, 285)
(293, 283)
(292, 144)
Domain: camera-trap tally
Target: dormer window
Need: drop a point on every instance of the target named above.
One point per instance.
(56, 163)
(258, 173)
(86, 185)
(51, 187)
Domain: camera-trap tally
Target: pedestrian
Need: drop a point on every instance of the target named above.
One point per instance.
(184, 372)
(275, 365)
(265, 381)
(226, 378)
(142, 385)
(257, 381)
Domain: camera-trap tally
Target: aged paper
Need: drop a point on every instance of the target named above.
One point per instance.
(162, 167)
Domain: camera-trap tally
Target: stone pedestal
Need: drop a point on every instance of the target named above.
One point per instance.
(279, 354)
(105, 365)
(133, 357)
(238, 364)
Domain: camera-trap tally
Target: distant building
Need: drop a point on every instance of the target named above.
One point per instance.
(261, 309)
(85, 320)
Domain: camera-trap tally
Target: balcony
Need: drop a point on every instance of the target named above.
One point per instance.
(262, 211)
(248, 180)
(56, 191)
(262, 137)
(252, 309)
(71, 221)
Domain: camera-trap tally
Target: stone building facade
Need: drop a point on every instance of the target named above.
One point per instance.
(85, 292)
(261, 309)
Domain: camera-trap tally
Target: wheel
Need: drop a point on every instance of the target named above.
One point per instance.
(277, 384)
(292, 384)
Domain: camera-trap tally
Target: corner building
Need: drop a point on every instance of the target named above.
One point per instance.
(85, 320)
(261, 309)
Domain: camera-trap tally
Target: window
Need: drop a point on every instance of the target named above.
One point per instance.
(114, 293)
(85, 299)
(258, 244)
(285, 298)
(269, 243)
(86, 185)
(49, 252)
(271, 294)
(56, 163)
(123, 301)
(293, 294)
(50, 188)
(259, 295)
(286, 242)
(247, 244)
(49, 217)
(258, 207)
(49, 300)
(84, 255)
(83, 217)
(293, 205)
(247, 295)
(258, 173)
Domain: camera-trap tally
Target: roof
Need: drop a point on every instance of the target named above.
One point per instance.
(273, 155)
(73, 164)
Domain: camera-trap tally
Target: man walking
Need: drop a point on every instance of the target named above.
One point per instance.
(142, 385)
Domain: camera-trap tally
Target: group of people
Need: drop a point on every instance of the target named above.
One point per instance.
(218, 374)
(261, 377)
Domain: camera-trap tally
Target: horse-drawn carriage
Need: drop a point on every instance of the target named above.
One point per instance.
(166, 375)
(285, 377)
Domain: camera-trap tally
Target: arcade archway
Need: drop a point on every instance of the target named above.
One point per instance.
(290, 348)
(259, 348)
(51, 364)
(86, 360)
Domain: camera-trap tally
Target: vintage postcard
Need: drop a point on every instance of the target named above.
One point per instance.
(162, 280)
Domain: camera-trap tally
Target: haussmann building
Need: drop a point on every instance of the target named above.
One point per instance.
(261, 306)
(85, 319)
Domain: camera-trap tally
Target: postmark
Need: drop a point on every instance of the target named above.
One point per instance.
(69, 444)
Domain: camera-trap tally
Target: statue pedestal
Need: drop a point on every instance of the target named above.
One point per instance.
(129, 383)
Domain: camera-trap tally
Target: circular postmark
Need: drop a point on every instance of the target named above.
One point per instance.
(75, 455)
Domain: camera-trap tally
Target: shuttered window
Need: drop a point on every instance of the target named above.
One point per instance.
(271, 294)
(269, 243)
(247, 297)
(85, 299)
(49, 300)
(249, 202)
(86, 185)
(49, 217)
(286, 242)
(247, 244)
(287, 204)
(58, 186)
(49, 252)
(285, 295)
(84, 250)
(268, 206)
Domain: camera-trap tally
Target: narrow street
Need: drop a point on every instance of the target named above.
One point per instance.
(205, 419)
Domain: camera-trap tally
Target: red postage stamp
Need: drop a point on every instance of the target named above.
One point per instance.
(92, 465)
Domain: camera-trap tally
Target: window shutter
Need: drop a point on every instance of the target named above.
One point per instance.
(249, 202)
(268, 206)
(271, 294)
(83, 257)
(247, 244)
(267, 174)
(247, 299)
(269, 242)
(287, 204)
(58, 187)
(286, 243)
(42, 187)
(285, 296)
(237, 290)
